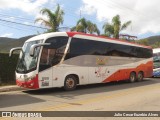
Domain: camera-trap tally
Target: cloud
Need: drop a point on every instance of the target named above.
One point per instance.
(10, 18)
(26, 23)
(87, 8)
(143, 14)
(25, 5)
(7, 35)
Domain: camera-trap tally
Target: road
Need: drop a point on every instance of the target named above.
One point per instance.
(117, 96)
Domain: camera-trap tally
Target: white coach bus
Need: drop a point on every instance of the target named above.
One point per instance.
(68, 59)
(156, 61)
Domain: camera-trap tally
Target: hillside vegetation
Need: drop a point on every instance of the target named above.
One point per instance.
(153, 41)
(7, 43)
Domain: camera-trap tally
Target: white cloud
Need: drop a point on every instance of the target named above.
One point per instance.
(144, 14)
(25, 5)
(10, 18)
(26, 23)
(7, 35)
(89, 9)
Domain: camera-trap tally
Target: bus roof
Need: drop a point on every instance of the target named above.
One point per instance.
(47, 35)
(72, 34)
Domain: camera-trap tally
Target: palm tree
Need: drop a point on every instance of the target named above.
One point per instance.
(108, 30)
(92, 28)
(115, 27)
(85, 26)
(54, 19)
(82, 25)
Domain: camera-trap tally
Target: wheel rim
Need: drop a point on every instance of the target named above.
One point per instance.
(132, 78)
(70, 83)
(140, 76)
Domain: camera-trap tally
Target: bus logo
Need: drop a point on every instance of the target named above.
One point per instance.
(101, 61)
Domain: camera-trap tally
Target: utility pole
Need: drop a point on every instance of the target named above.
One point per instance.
(80, 14)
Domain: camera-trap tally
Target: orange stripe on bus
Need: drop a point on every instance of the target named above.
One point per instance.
(123, 74)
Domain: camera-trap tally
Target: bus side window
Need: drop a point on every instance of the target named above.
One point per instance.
(51, 55)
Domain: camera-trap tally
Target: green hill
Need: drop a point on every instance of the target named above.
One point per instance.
(4, 40)
(7, 43)
(153, 41)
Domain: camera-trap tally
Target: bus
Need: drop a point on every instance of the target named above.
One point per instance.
(156, 62)
(68, 59)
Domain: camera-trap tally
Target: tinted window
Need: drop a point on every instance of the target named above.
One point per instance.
(89, 47)
(144, 53)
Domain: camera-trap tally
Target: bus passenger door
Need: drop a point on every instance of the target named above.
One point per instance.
(45, 68)
(45, 78)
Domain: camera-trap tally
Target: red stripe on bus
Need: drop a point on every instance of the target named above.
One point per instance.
(72, 34)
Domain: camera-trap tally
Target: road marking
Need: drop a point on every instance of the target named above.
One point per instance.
(101, 98)
(10, 92)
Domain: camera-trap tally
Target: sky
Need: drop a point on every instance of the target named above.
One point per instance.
(144, 15)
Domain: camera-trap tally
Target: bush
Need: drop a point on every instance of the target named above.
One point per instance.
(7, 68)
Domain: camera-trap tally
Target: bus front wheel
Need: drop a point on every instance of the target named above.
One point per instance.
(70, 83)
(132, 77)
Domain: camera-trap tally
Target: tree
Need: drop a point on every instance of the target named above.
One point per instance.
(156, 45)
(54, 19)
(143, 42)
(92, 28)
(108, 29)
(85, 26)
(114, 28)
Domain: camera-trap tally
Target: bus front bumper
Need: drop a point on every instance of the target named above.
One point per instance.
(31, 84)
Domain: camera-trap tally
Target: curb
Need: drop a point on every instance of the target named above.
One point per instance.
(10, 88)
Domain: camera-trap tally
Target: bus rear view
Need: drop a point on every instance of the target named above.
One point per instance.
(68, 59)
(156, 60)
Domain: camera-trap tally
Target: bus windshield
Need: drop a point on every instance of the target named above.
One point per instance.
(156, 60)
(27, 63)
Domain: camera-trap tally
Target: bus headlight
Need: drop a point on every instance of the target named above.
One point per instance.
(31, 84)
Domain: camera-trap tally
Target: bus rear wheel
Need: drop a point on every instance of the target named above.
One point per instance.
(140, 76)
(132, 77)
(70, 83)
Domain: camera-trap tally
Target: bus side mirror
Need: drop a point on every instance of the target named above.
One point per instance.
(13, 49)
(32, 49)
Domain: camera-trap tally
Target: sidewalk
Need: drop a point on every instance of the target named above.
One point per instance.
(10, 88)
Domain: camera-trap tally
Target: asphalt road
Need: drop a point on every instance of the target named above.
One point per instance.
(117, 96)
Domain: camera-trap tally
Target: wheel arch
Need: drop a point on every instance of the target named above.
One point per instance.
(73, 74)
(133, 72)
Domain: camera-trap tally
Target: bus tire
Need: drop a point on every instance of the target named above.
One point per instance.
(70, 83)
(132, 77)
(140, 76)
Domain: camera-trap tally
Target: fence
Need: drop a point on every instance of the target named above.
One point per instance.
(7, 68)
